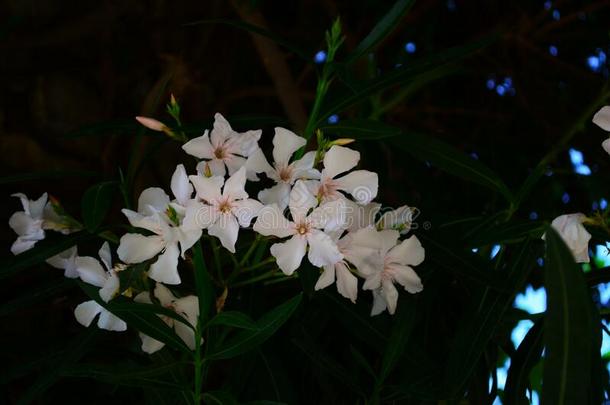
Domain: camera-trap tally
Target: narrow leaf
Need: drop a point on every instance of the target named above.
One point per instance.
(96, 202)
(234, 319)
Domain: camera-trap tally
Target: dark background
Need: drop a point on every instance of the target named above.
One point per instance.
(74, 74)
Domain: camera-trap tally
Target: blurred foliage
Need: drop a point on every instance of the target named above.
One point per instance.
(76, 74)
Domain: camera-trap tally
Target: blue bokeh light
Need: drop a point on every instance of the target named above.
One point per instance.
(603, 204)
(556, 15)
(565, 198)
(578, 161)
(410, 47)
(553, 50)
(519, 332)
(495, 249)
(333, 119)
(533, 215)
(320, 57)
(491, 84)
(531, 301)
(548, 4)
(540, 261)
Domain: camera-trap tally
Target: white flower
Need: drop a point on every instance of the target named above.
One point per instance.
(224, 147)
(91, 272)
(360, 216)
(66, 261)
(574, 235)
(305, 229)
(170, 236)
(223, 212)
(392, 264)
(284, 173)
(602, 120)
(360, 184)
(399, 219)
(28, 224)
(187, 307)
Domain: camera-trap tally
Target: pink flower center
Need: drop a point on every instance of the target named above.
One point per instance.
(302, 228)
(220, 153)
(225, 206)
(285, 174)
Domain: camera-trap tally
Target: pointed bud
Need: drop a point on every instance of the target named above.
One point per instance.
(207, 172)
(342, 141)
(152, 124)
(172, 100)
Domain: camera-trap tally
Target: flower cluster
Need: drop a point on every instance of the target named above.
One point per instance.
(319, 206)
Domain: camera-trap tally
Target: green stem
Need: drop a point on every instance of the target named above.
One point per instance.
(198, 365)
(216, 254)
(244, 259)
(264, 276)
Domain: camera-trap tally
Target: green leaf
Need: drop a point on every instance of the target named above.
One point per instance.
(78, 347)
(450, 160)
(249, 339)
(568, 327)
(511, 232)
(33, 295)
(403, 324)
(143, 317)
(234, 319)
(361, 129)
(382, 29)
(54, 243)
(203, 285)
(147, 376)
(259, 31)
(96, 202)
(481, 321)
(406, 74)
(521, 364)
(47, 174)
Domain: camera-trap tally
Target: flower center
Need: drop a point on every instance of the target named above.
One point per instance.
(302, 228)
(285, 174)
(219, 153)
(328, 189)
(224, 207)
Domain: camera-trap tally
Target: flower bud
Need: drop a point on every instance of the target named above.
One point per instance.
(152, 124)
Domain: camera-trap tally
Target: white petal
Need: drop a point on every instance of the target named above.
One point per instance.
(371, 238)
(36, 207)
(23, 224)
(301, 201)
(285, 143)
(244, 143)
(399, 219)
(360, 216)
(303, 168)
(221, 131)
(391, 295)
(278, 194)
(217, 167)
(602, 118)
(234, 188)
(379, 304)
(136, 248)
(150, 222)
(65, 261)
(90, 271)
(289, 254)
(361, 184)
(326, 278)
(322, 250)
(109, 321)
(110, 288)
(246, 210)
(164, 295)
(165, 269)
(187, 237)
(106, 256)
(339, 159)
(25, 202)
(207, 188)
(226, 229)
(186, 334)
(405, 276)
(188, 307)
(200, 216)
(606, 145)
(372, 281)
(234, 163)
(200, 147)
(180, 185)
(87, 311)
(143, 298)
(329, 216)
(21, 245)
(150, 345)
(408, 252)
(257, 162)
(347, 283)
(271, 221)
(152, 200)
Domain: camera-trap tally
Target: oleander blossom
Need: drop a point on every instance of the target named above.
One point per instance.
(223, 149)
(187, 307)
(283, 172)
(171, 236)
(308, 228)
(362, 185)
(392, 264)
(602, 120)
(91, 272)
(222, 212)
(570, 228)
